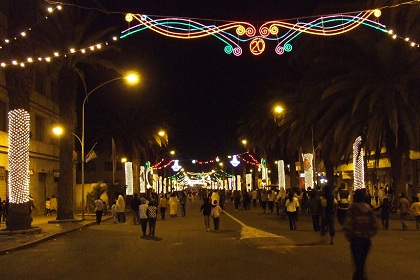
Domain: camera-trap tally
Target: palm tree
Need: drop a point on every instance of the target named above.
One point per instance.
(19, 83)
(372, 91)
(134, 123)
(72, 28)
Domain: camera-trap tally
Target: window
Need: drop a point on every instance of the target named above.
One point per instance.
(39, 82)
(39, 128)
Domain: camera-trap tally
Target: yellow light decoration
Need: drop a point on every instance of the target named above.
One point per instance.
(24, 33)
(358, 164)
(309, 171)
(19, 128)
(281, 174)
(56, 54)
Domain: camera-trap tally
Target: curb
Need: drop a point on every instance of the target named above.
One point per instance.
(46, 238)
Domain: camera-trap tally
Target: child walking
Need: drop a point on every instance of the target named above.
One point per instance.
(215, 213)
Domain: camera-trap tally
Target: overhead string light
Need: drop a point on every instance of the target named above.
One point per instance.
(56, 54)
(158, 167)
(24, 33)
(406, 39)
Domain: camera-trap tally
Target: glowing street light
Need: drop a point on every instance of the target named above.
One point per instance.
(131, 79)
(278, 114)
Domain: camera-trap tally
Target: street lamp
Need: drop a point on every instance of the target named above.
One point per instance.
(132, 79)
(278, 114)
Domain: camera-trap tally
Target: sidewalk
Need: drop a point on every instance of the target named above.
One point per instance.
(44, 228)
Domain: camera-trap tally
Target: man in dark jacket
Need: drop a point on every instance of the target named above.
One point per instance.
(135, 203)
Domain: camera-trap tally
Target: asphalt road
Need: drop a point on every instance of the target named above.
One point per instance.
(250, 245)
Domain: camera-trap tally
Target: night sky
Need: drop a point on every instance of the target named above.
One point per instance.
(205, 90)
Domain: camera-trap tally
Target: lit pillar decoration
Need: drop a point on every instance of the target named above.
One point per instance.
(358, 163)
(264, 171)
(238, 182)
(142, 179)
(19, 128)
(248, 180)
(129, 177)
(155, 183)
(161, 190)
(230, 183)
(280, 168)
(309, 171)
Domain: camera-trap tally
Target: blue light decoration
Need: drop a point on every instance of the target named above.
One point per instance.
(232, 33)
(176, 167)
(235, 162)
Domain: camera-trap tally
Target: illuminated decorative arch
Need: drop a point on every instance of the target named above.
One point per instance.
(236, 32)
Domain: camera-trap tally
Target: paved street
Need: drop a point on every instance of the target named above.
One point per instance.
(250, 245)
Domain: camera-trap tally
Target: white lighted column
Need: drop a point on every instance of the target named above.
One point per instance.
(280, 170)
(129, 177)
(142, 179)
(19, 127)
(309, 171)
(358, 163)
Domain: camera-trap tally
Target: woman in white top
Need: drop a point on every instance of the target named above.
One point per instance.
(120, 207)
(292, 203)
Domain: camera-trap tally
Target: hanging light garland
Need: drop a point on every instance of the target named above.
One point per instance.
(24, 33)
(233, 33)
(48, 58)
(19, 128)
(71, 51)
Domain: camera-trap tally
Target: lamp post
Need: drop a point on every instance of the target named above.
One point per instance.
(131, 79)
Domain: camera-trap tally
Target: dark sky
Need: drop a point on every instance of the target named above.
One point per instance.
(205, 90)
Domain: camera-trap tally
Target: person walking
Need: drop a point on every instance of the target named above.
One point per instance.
(343, 203)
(415, 210)
(263, 200)
(120, 207)
(98, 210)
(135, 204)
(54, 205)
(114, 212)
(314, 207)
(359, 226)
(292, 203)
(404, 209)
(385, 208)
(183, 204)
(270, 199)
(173, 205)
(143, 215)
(152, 216)
(329, 213)
(206, 210)
(215, 213)
(48, 207)
(254, 195)
(163, 204)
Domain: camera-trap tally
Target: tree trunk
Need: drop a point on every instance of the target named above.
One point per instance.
(294, 179)
(18, 84)
(67, 107)
(397, 171)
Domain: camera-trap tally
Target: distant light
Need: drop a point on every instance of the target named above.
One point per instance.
(235, 162)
